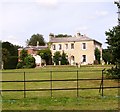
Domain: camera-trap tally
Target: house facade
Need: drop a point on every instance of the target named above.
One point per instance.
(79, 48)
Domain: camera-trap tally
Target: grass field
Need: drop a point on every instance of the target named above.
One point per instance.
(61, 100)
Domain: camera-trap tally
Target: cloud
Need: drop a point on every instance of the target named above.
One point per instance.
(97, 14)
(101, 13)
(48, 3)
(78, 1)
(81, 29)
(12, 39)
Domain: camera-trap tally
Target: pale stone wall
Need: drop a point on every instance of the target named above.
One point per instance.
(78, 51)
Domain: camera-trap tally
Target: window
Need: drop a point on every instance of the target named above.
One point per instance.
(72, 46)
(72, 58)
(66, 46)
(83, 45)
(84, 58)
(54, 47)
(60, 46)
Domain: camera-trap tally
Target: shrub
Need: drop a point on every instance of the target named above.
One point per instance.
(19, 65)
(29, 62)
(113, 73)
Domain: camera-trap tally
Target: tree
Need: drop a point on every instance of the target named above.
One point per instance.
(46, 55)
(64, 60)
(5, 57)
(107, 56)
(113, 40)
(36, 38)
(97, 55)
(12, 60)
(29, 62)
(57, 57)
(26, 61)
(62, 35)
(23, 55)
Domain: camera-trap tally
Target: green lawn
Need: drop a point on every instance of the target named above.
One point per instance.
(60, 100)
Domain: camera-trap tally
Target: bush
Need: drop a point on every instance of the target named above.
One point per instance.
(113, 73)
(19, 65)
(29, 62)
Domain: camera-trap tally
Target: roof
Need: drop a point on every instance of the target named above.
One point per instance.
(72, 39)
(34, 47)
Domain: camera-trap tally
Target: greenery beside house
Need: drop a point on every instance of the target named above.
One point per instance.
(26, 61)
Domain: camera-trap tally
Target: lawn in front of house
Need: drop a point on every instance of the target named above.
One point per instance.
(61, 100)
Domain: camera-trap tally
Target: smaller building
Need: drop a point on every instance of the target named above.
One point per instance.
(32, 50)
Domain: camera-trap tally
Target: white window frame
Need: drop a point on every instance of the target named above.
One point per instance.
(60, 46)
(72, 47)
(54, 47)
(84, 46)
(84, 58)
(66, 46)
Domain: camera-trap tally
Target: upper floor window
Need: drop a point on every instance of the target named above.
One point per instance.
(60, 46)
(54, 47)
(66, 46)
(83, 45)
(72, 46)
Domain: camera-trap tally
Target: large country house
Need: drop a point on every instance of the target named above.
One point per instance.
(79, 48)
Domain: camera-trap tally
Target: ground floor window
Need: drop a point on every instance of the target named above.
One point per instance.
(83, 58)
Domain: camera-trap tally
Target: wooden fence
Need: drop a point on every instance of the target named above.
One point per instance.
(51, 80)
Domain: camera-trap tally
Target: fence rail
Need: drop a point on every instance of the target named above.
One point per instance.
(77, 79)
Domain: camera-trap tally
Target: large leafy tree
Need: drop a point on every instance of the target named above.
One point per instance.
(113, 40)
(57, 57)
(29, 62)
(12, 59)
(36, 38)
(26, 61)
(64, 60)
(107, 56)
(5, 57)
(46, 55)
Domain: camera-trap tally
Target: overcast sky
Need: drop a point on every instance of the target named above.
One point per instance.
(20, 19)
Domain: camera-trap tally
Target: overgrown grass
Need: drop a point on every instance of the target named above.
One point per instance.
(61, 100)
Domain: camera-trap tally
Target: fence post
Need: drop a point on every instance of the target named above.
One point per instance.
(77, 85)
(24, 86)
(51, 83)
(102, 82)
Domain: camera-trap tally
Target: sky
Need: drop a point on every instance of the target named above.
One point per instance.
(20, 19)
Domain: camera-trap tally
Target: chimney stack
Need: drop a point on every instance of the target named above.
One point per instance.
(51, 35)
(78, 34)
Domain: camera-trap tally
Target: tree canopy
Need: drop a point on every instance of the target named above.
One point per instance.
(107, 56)
(113, 41)
(36, 39)
(46, 55)
(9, 55)
(26, 61)
(62, 35)
(62, 58)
